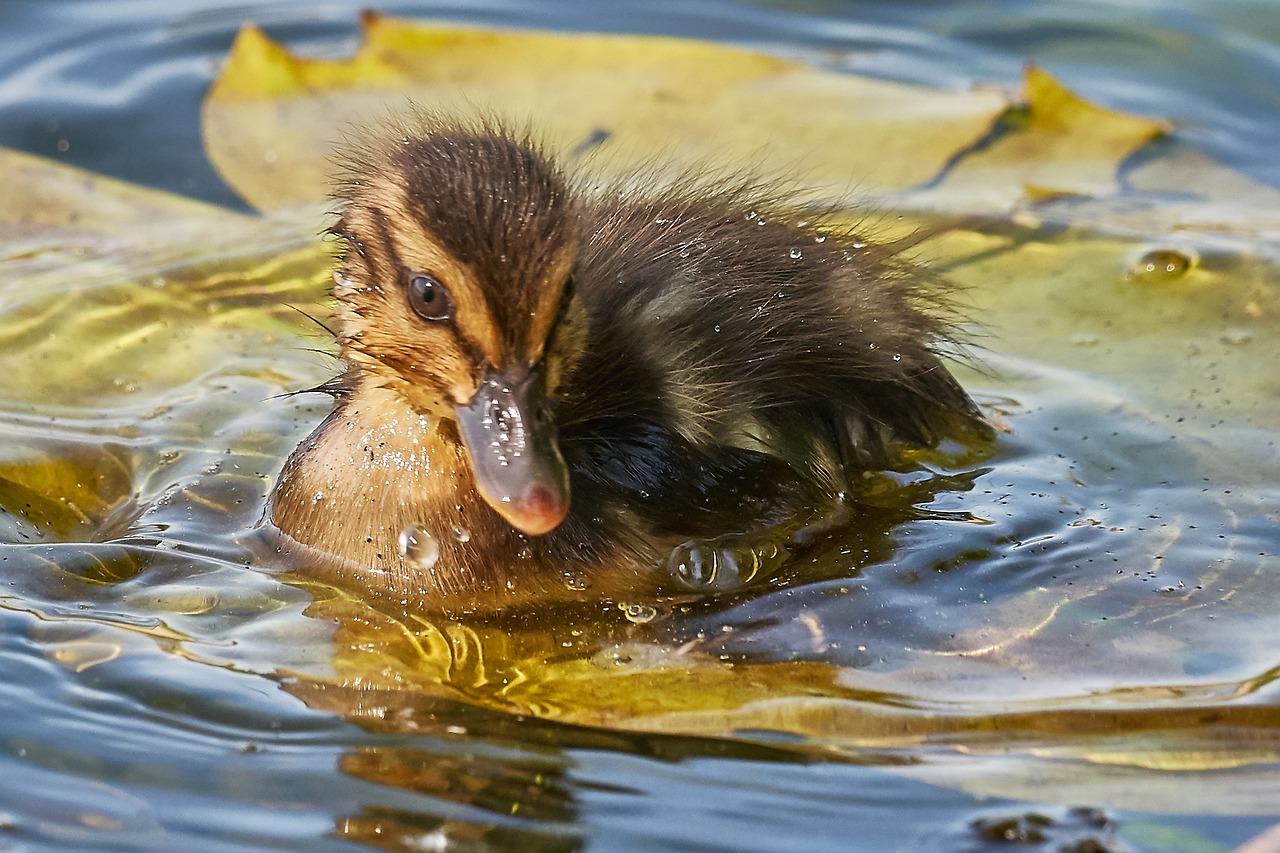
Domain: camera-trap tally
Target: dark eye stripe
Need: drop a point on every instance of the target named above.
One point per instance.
(384, 240)
(469, 346)
(427, 296)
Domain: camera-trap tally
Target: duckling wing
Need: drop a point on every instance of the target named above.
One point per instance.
(749, 334)
(681, 489)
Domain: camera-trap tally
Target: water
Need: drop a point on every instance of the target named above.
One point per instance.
(1083, 615)
(419, 547)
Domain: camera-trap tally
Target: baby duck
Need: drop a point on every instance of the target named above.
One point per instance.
(550, 387)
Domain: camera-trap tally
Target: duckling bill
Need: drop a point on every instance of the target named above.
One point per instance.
(551, 386)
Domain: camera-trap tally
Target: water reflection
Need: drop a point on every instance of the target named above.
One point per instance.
(498, 781)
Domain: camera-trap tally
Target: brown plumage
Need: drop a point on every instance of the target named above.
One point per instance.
(551, 387)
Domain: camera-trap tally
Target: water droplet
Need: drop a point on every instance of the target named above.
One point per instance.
(751, 214)
(638, 613)
(717, 327)
(704, 566)
(524, 552)
(418, 547)
(317, 497)
(576, 582)
(873, 345)
(795, 253)
(858, 244)
(820, 238)
(460, 533)
(760, 221)
(897, 356)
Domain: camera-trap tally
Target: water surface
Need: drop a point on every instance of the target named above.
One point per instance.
(1070, 633)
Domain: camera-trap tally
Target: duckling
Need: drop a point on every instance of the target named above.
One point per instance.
(551, 388)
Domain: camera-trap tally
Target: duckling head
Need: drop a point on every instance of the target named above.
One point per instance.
(455, 294)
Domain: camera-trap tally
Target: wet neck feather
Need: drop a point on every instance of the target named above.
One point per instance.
(369, 487)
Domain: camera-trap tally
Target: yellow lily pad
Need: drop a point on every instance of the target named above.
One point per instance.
(1055, 145)
(119, 304)
(272, 119)
(37, 195)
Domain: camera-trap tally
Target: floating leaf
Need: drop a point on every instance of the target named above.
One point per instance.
(1055, 145)
(38, 196)
(271, 119)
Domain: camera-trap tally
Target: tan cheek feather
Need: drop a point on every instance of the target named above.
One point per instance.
(420, 251)
(379, 311)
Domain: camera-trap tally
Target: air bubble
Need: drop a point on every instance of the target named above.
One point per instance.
(704, 566)
(1162, 265)
(638, 613)
(460, 533)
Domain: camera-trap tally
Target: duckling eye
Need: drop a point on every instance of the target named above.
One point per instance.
(429, 299)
